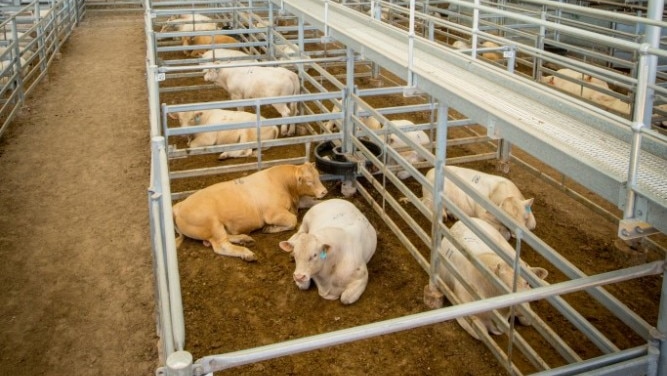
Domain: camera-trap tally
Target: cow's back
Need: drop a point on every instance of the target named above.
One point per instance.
(338, 213)
(473, 244)
(241, 204)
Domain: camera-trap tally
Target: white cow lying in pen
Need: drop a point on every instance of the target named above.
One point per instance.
(419, 137)
(499, 190)
(224, 213)
(606, 100)
(224, 55)
(224, 137)
(332, 247)
(189, 22)
(505, 272)
(259, 82)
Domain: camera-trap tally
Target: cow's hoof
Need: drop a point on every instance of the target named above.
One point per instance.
(250, 257)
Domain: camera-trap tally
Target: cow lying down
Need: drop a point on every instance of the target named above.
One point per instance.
(224, 213)
(224, 137)
(499, 190)
(331, 247)
(474, 245)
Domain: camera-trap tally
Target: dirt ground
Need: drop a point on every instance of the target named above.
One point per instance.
(77, 280)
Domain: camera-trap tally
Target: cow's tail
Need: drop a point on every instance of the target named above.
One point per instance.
(180, 237)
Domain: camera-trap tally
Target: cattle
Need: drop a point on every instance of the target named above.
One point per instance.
(332, 247)
(224, 55)
(499, 190)
(204, 40)
(224, 137)
(505, 272)
(578, 89)
(259, 82)
(189, 22)
(369, 121)
(461, 45)
(491, 55)
(419, 137)
(224, 213)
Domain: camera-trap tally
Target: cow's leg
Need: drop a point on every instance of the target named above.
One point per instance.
(285, 129)
(235, 154)
(226, 248)
(242, 239)
(463, 322)
(354, 290)
(279, 221)
(222, 245)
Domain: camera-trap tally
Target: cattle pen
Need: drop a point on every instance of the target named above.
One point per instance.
(353, 56)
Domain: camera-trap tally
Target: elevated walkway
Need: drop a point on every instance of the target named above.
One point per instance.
(586, 144)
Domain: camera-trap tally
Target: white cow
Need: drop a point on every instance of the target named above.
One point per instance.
(233, 136)
(224, 55)
(332, 247)
(369, 121)
(418, 137)
(505, 272)
(499, 190)
(259, 82)
(189, 22)
(606, 100)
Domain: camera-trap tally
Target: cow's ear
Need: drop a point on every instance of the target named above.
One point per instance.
(498, 269)
(324, 252)
(528, 204)
(541, 273)
(286, 246)
(172, 115)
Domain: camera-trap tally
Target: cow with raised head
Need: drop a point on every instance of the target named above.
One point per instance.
(499, 190)
(332, 247)
(474, 277)
(224, 213)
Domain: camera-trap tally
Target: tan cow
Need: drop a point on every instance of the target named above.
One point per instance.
(224, 213)
(205, 40)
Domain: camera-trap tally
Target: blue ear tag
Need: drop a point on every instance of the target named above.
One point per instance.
(197, 119)
(528, 209)
(323, 255)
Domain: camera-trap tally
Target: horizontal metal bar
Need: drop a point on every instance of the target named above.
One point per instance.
(214, 363)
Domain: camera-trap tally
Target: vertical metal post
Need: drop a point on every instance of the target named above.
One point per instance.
(179, 364)
(539, 44)
(411, 42)
(347, 102)
(475, 29)
(16, 62)
(156, 194)
(171, 260)
(652, 38)
(661, 327)
(637, 125)
(438, 187)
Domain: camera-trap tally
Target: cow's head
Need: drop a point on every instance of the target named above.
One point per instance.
(187, 118)
(310, 255)
(520, 210)
(506, 274)
(210, 75)
(549, 80)
(308, 181)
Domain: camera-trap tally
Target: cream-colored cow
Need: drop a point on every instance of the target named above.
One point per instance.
(224, 213)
